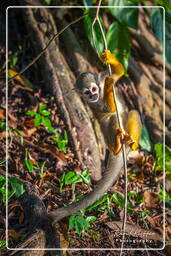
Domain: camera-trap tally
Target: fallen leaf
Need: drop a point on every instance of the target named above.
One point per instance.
(151, 199)
(29, 123)
(63, 243)
(168, 249)
(2, 114)
(13, 234)
(12, 73)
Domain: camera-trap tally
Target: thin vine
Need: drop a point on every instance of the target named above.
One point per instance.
(119, 123)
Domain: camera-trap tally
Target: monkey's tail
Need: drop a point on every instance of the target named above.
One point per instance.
(114, 166)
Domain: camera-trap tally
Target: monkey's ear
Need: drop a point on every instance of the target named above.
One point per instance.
(77, 90)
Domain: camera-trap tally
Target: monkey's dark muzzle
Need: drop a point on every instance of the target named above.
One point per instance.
(94, 97)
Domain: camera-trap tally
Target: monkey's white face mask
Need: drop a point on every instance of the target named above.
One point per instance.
(91, 93)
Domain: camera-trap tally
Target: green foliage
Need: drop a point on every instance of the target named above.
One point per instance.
(143, 215)
(36, 166)
(2, 126)
(164, 196)
(127, 16)
(119, 42)
(48, 2)
(87, 3)
(13, 60)
(161, 151)
(145, 139)
(27, 162)
(168, 36)
(156, 23)
(41, 118)
(12, 131)
(2, 188)
(137, 197)
(73, 178)
(3, 244)
(17, 186)
(80, 224)
(98, 42)
(61, 141)
(103, 201)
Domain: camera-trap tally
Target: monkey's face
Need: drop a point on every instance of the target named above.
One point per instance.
(91, 92)
(87, 85)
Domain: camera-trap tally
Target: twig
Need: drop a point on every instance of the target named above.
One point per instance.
(43, 51)
(119, 123)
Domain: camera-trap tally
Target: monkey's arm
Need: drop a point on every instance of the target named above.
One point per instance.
(115, 163)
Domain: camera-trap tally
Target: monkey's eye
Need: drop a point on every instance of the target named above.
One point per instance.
(94, 89)
(86, 92)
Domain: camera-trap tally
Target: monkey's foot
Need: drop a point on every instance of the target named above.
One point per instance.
(128, 140)
(108, 58)
(121, 138)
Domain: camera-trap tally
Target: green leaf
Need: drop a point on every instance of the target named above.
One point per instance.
(97, 203)
(84, 223)
(118, 199)
(52, 130)
(48, 2)
(71, 178)
(47, 123)
(17, 186)
(127, 16)
(87, 3)
(71, 222)
(86, 177)
(31, 113)
(43, 111)
(13, 59)
(3, 245)
(164, 196)
(2, 126)
(160, 149)
(156, 23)
(91, 219)
(78, 227)
(3, 188)
(168, 36)
(28, 163)
(119, 42)
(98, 43)
(145, 139)
(37, 120)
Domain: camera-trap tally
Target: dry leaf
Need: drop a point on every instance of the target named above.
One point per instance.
(151, 199)
(63, 243)
(29, 123)
(13, 234)
(18, 78)
(2, 114)
(168, 250)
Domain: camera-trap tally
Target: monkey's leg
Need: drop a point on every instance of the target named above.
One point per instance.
(133, 128)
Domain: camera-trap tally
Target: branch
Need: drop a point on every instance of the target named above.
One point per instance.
(46, 47)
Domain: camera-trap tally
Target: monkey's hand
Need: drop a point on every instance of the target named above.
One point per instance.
(117, 68)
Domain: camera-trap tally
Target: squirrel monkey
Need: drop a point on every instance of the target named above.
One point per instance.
(98, 93)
